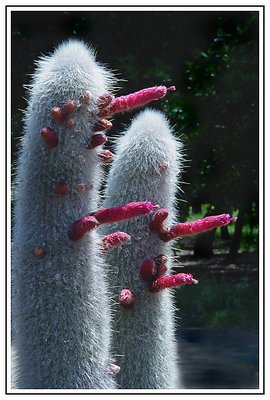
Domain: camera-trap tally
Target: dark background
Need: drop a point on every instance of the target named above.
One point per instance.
(212, 59)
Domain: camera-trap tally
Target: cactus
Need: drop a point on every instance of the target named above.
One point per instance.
(147, 164)
(60, 304)
(145, 167)
(60, 307)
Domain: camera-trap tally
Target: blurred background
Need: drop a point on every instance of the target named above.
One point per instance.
(212, 59)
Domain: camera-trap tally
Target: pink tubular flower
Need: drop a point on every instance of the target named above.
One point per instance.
(80, 227)
(113, 240)
(157, 219)
(195, 227)
(170, 281)
(134, 100)
(115, 214)
(127, 298)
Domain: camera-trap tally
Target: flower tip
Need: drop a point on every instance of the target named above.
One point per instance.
(195, 281)
(233, 219)
(172, 88)
(156, 206)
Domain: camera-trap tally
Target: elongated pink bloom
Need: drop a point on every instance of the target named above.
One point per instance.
(170, 281)
(134, 100)
(130, 210)
(157, 219)
(82, 226)
(113, 240)
(127, 298)
(195, 227)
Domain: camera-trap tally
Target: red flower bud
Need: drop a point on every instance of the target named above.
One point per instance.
(127, 298)
(49, 136)
(97, 139)
(157, 219)
(70, 106)
(80, 227)
(106, 156)
(57, 114)
(39, 251)
(147, 270)
(113, 240)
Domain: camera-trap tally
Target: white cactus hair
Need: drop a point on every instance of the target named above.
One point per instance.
(60, 304)
(146, 167)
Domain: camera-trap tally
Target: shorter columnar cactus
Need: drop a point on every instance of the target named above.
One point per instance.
(147, 163)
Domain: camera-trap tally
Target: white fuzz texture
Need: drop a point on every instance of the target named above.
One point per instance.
(143, 341)
(60, 311)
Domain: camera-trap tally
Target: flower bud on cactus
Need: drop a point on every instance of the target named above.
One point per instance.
(60, 309)
(144, 334)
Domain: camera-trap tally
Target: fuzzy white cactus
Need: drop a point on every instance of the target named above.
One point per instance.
(146, 166)
(61, 315)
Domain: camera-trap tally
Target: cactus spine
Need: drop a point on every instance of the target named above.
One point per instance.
(146, 166)
(61, 314)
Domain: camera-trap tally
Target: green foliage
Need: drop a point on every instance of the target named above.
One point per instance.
(221, 303)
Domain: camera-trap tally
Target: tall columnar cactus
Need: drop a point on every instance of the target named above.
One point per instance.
(147, 163)
(60, 307)
(60, 304)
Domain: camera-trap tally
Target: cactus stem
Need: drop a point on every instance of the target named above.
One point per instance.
(195, 227)
(82, 226)
(113, 240)
(97, 139)
(49, 136)
(170, 281)
(121, 213)
(61, 189)
(127, 298)
(39, 251)
(134, 100)
(106, 156)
